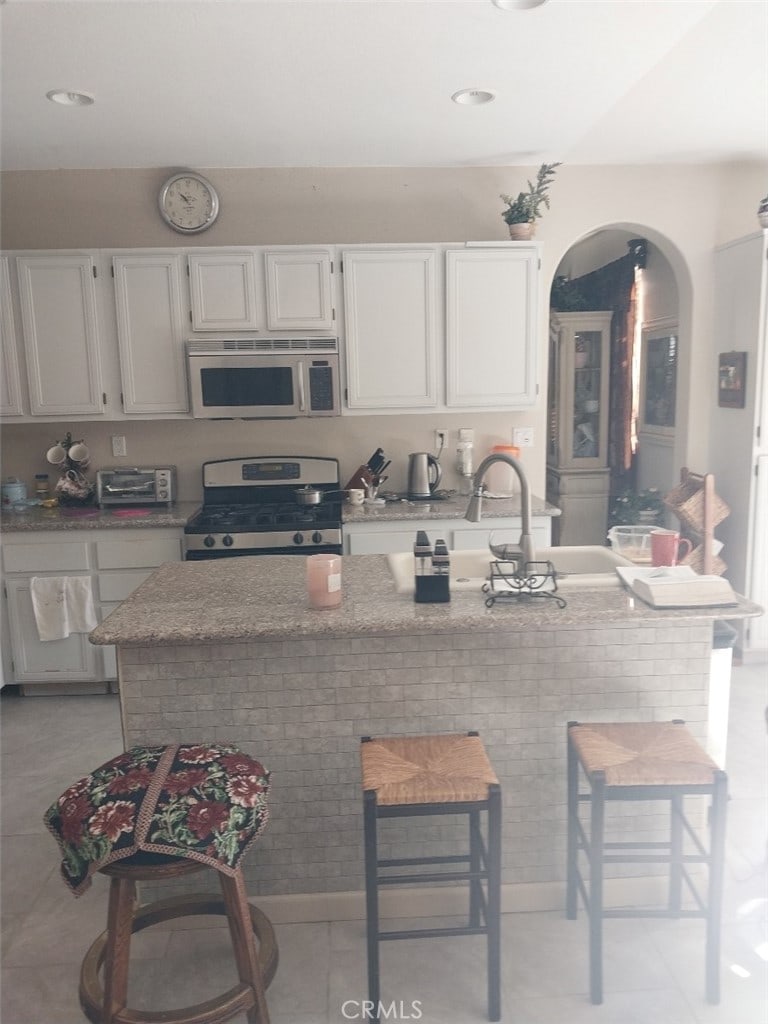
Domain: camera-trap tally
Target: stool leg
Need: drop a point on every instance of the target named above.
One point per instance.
(715, 896)
(597, 826)
(676, 852)
(122, 893)
(241, 933)
(371, 900)
(571, 891)
(474, 867)
(493, 922)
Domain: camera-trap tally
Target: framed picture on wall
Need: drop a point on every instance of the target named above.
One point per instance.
(658, 378)
(731, 379)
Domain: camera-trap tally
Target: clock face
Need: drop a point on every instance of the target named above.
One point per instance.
(189, 203)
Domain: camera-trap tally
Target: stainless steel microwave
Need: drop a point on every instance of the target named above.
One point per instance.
(265, 378)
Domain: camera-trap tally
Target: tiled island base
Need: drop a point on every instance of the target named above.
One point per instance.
(302, 705)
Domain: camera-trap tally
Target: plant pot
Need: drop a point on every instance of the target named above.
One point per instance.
(522, 232)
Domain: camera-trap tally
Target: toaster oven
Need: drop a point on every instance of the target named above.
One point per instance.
(135, 486)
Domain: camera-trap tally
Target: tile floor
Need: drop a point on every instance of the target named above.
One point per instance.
(654, 969)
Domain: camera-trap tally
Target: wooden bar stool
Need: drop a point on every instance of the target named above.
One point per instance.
(644, 761)
(255, 968)
(430, 775)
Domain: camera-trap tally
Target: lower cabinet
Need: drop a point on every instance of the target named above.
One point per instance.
(388, 538)
(116, 562)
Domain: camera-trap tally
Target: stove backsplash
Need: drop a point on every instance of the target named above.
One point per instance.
(186, 444)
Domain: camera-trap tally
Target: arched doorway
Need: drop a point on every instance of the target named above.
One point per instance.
(648, 357)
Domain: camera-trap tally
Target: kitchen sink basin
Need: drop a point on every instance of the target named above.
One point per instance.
(587, 566)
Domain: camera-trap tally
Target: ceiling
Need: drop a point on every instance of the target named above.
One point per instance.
(356, 83)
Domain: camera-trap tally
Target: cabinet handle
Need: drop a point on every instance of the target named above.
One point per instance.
(103, 397)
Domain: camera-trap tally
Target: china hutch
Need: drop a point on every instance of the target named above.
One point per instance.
(578, 478)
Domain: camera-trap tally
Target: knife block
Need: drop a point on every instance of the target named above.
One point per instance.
(362, 478)
(432, 589)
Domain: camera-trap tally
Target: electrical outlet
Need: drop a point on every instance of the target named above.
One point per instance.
(523, 437)
(118, 445)
(441, 437)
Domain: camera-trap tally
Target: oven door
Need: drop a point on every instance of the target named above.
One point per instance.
(199, 555)
(246, 386)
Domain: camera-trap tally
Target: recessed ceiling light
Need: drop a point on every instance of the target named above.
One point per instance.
(517, 5)
(67, 98)
(473, 97)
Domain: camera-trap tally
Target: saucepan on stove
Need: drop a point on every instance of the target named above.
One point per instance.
(316, 496)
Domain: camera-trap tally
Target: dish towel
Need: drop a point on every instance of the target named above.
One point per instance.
(62, 605)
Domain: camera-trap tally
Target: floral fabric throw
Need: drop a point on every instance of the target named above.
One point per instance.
(204, 802)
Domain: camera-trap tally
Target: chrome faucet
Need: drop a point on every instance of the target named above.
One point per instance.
(474, 508)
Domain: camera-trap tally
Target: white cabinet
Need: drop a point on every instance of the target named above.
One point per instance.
(390, 314)
(299, 293)
(116, 561)
(72, 659)
(61, 334)
(225, 287)
(491, 303)
(150, 332)
(10, 378)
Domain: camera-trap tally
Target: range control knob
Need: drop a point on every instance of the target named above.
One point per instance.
(298, 538)
(227, 541)
(317, 537)
(209, 541)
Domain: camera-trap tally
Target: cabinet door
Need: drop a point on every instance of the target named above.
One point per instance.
(389, 303)
(61, 336)
(10, 380)
(582, 417)
(223, 291)
(491, 297)
(73, 658)
(150, 331)
(299, 291)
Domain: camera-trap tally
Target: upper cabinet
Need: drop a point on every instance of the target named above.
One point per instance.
(150, 329)
(491, 305)
(61, 334)
(224, 288)
(299, 293)
(391, 333)
(10, 379)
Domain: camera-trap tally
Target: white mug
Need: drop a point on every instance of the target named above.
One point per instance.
(79, 452)
(56, 455)
(356, 496)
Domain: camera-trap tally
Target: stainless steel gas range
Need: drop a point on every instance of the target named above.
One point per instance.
(250, 507)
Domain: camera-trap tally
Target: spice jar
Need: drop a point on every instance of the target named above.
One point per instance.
(42, 490)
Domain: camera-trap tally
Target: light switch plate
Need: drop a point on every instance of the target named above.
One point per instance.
(522, 437)
(118, 445)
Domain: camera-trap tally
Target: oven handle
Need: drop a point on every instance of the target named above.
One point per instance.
(302, 402)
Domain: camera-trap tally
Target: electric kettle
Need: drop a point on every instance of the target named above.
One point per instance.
(422, 482)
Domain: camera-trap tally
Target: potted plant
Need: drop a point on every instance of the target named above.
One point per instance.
(523, 210)
(762, 212)
(631, 508)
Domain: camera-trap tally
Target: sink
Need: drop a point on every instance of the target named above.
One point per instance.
(587, 566)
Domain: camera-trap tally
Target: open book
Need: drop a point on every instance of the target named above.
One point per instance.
(677, 586)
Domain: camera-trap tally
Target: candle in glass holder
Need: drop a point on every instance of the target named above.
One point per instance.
(324, 581)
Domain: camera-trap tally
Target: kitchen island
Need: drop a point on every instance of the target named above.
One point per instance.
(229, 649)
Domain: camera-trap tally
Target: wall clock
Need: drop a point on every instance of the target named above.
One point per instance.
(188, 202)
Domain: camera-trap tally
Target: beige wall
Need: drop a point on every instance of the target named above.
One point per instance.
(684, 210)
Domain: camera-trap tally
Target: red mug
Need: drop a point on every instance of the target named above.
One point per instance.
(667, 547)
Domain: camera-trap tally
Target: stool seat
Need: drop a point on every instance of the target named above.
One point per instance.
(419, 776)
(426, 769)
(642, 754)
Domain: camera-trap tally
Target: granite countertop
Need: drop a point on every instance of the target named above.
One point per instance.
(37, 518)
(265, 598)
(453, 507)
